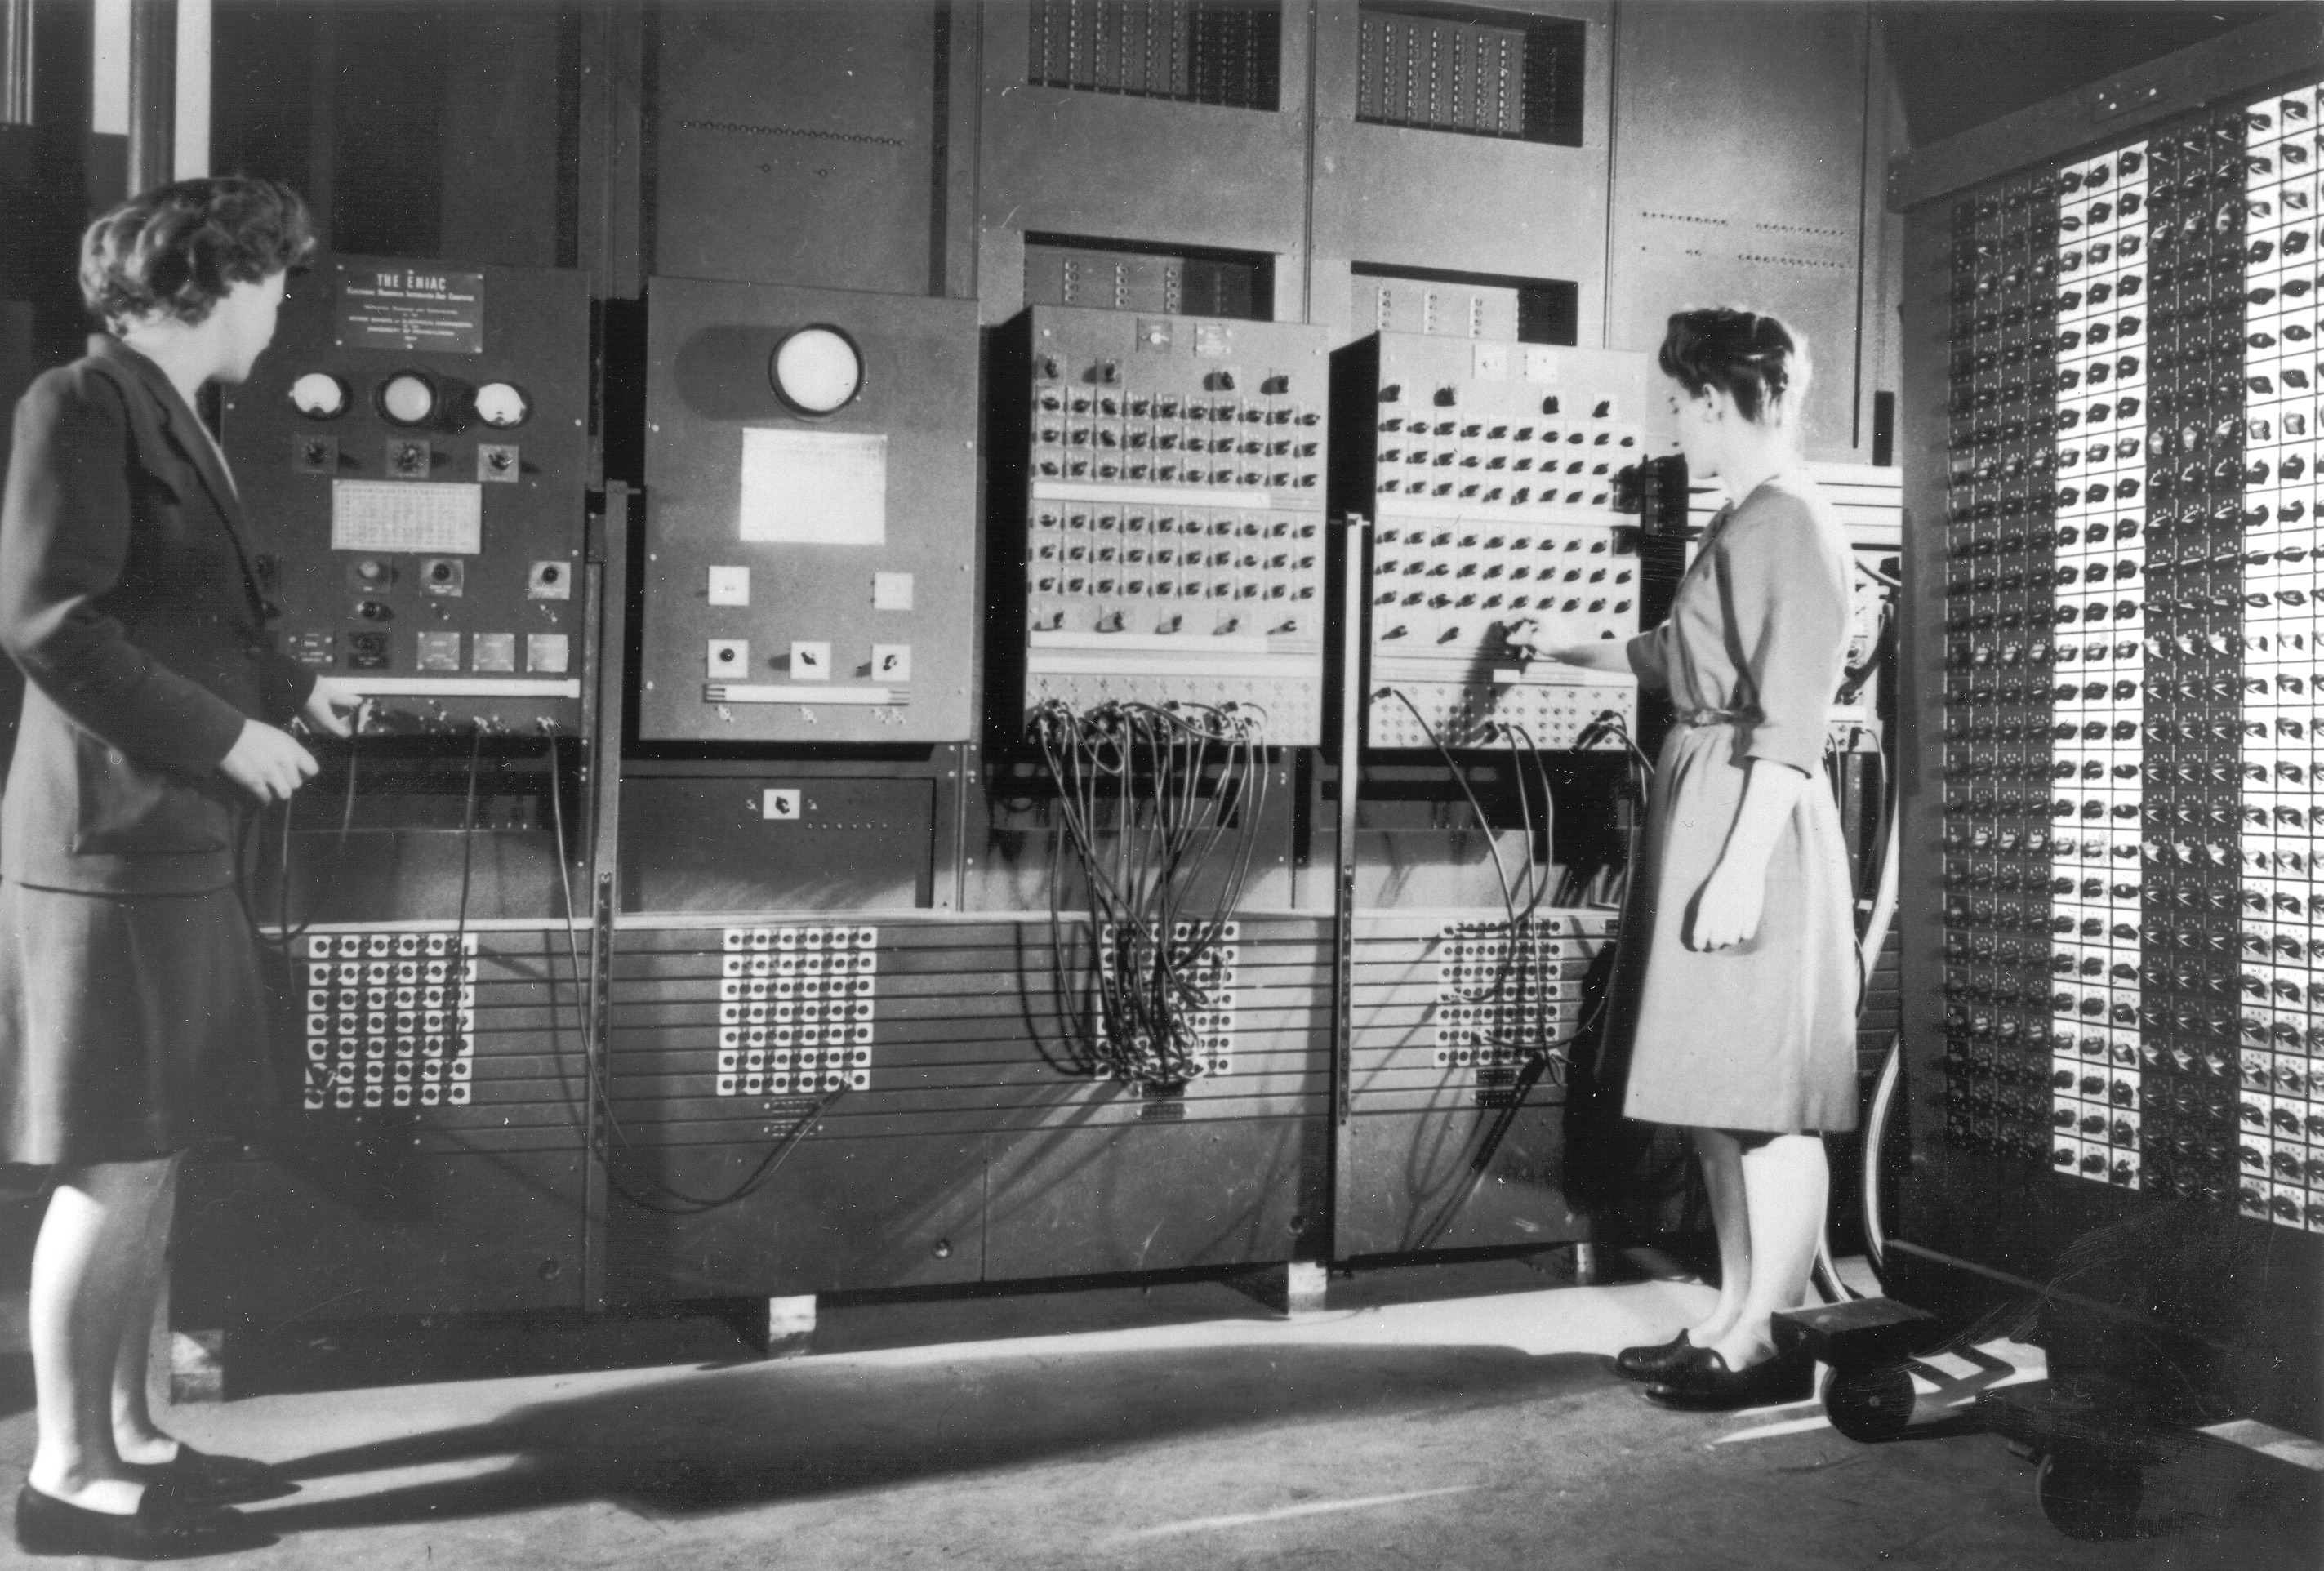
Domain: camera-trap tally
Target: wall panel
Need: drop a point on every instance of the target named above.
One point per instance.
(1738, 179)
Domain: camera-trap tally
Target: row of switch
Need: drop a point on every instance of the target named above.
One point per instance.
(1074, 467)
(1113, 438)
(1052, 400)
(1098, 552)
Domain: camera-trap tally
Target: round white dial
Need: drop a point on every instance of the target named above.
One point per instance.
(502, 406)
(817, 370)
(407, 398)
(320, 395)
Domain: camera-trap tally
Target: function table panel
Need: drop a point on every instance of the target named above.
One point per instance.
(1173, 515)
(811, 503)
(1491, 477)
(413, 457)
(2134, 937)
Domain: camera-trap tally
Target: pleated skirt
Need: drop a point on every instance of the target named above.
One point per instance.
(129, 1029)
(1760, 1037)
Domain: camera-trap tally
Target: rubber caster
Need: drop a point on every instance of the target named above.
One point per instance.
(2088, 1494)
(1869, 1405)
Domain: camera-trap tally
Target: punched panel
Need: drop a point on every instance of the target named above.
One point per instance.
(797, 1010)
(1173, 538)
(1457, 1132)
(412, 454)
(2133, 937)
(1464, 1001)
(1491, 477)
(391, 1022)
(430, 1153)
(811, 537)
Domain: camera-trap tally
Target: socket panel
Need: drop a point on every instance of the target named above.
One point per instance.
(1551, 708)
(391, 1022)
(797, 1010)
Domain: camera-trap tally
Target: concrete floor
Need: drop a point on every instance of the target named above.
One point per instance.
(1449, 1418)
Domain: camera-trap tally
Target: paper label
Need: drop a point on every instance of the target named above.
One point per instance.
(824, 488)
(437, 518)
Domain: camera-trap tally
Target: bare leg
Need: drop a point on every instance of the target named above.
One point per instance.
(1721, 1156)
(136, 1437)
(84, 1267)
(1785, 1184)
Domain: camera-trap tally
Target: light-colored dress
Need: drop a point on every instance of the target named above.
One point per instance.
(1759, 1037)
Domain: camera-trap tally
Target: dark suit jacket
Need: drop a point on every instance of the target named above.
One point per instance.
(126, 595)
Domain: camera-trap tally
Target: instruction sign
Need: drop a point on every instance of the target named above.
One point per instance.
(410, 308)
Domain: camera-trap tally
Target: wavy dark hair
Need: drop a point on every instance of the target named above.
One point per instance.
(1756, 360)
(176, 250)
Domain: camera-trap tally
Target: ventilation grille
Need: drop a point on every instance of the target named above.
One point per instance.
(1481, 73)
(1198, 51)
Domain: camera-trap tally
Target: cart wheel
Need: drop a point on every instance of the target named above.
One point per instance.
(2088, 1494)
(1869, 1405)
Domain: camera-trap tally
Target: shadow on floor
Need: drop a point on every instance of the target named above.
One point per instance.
(718, 1440)
(423, 1350)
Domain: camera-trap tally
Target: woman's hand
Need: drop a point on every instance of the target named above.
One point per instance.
(331, 707)
(268, 764)
(1605, 655)
(1727, 909)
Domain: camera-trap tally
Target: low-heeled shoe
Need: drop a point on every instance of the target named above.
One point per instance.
(199, 1477)
(1706, 1385)
(163, 1527)
(1652, 1362)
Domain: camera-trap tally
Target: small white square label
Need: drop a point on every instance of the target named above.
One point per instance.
(810, 662)
(1540, 364)
(891, 662)
(729, 657)
(891, 591)
(1492, 363)
(730, 585)
(549, 653)
(779, 802)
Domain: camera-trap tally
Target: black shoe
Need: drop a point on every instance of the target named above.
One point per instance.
(1644, 1363)
(162, 1528)
(1708, 1386)
(196, 1477)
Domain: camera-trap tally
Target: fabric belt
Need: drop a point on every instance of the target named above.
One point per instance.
(1709, 716)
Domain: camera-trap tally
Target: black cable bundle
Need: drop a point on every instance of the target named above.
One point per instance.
(1132, 998)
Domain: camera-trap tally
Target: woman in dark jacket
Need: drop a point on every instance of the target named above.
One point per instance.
(131, 1024)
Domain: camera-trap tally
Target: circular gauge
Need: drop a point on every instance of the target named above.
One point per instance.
(320, 395)
(817, 370)
(502, 406)
(407, 398)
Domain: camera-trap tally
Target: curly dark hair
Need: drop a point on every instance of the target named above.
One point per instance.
(1754, 360)
(176, 250)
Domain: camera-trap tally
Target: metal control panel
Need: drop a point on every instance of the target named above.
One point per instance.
(1490, 471)
(412, 454)
(811, 507)
(1172, 544)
